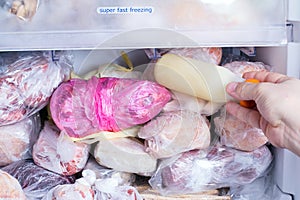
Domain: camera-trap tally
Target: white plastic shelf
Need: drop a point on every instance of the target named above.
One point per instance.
(76, 24)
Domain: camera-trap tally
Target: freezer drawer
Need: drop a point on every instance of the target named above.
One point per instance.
(75, 24)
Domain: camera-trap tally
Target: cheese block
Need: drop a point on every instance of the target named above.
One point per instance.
(126, 155)
(194, 77)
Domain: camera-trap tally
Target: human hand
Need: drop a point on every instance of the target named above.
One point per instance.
(277, 112)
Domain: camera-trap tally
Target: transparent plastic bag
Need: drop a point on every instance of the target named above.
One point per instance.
(17, 139)
(35, 181)
(238, 134)
(10, 188)
(54, 151)
(240, 67)
(122, 178)
(27, 84)
(24, 9)
(82, 108)
(218, 167)
(175, 132)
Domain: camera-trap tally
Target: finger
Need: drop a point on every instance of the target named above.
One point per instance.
(242, 90)
(265, 76)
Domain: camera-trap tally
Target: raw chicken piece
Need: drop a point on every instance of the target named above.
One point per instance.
(200, 170)
(206, 54)
(54, 151)
(35, 181)
(22, 85)
(10, 187)
(240, 67)
(175, 132)
(238, 134)
(17, 139)
(126, 155)
(83, 108)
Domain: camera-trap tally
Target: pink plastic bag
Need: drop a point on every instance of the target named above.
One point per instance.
(82, 108)
(200, 170)
(56, 152)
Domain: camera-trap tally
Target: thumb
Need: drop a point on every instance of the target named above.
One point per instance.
(242, 90)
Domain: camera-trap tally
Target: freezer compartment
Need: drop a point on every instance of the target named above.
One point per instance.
(139, 24)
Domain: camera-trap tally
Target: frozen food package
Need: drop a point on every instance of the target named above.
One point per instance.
(175, 132)
(56, 152)
(80, 190)
(241, 67)
(17, 139)
(10, 188)
(217, 167)
(206, 54)
(35, 181)
(238, 134)
(23, 9)
(126, 155)
(85, 107)
(27, 83)
(181, 101)
(108, 189)
(122, 178)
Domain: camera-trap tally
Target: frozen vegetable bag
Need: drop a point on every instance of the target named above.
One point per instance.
(84, 107)
(26, 83)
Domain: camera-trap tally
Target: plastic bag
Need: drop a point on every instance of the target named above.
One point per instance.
(238, 134)
(80, 190)
(206, 54)
(35, 181)
(101, 172)
(27, 84)
(17, 139)
(240, 67)
(54, 151)
(200, 170)
(24, 9)
(175, 132)
(82, 108)
(10, 187)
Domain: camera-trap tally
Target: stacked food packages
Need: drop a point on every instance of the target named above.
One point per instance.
(93, 136)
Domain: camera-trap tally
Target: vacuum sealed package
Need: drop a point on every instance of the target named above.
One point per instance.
(17, 139)
(56, 152)
(24, 9)
(84, 107)
(27, 83)
(10, 188)
(238, 134)
(241, 67)
(175, 132)
(35, 181)
(218, 167)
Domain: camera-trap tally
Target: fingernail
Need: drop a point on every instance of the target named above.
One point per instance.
(231, 87)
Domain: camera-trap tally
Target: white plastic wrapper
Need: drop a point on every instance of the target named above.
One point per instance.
(10, 188)
(56, 152)
(238, 134)
(122, 178)
(17, 139)
(27, 83)
(200, 170)
(175, 132)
